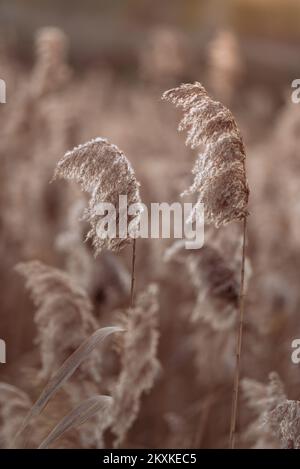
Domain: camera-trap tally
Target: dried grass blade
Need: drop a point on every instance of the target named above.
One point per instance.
(80, 414)
(67, 369)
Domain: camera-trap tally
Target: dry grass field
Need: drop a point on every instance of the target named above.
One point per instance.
(93, 359)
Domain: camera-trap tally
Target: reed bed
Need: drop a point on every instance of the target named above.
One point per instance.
(140, 342)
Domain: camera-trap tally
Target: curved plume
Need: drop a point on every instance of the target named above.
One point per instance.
(104, 171)
(219, 172)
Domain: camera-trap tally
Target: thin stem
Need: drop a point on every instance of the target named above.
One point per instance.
(132, 273)
(235, 397)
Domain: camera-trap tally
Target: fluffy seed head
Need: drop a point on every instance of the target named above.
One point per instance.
(62, 306)
(284, 422)
(140, 365)
(225, 66)
(215, 283)
(266, 401)
(104, 171)
(219, 172)
(51, 71)
(14, 405)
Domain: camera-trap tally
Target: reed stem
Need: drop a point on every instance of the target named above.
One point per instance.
(132, 273)
(235, 397)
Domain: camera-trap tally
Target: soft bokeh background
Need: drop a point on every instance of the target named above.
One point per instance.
(121, 55)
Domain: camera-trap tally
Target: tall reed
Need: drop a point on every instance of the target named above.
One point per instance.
(219, 179)
(104, 171)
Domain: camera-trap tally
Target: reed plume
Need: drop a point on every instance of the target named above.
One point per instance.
(214, 281)
(219, 172)
(277, 418)
(106, 281)
(163, 60)
(51, 70)
(219, 179)
(104, 171)
(284, 421)
(61, 305)
(225, 65)
(14, 405)
(217, 287)
(140, 365)
(50, 74)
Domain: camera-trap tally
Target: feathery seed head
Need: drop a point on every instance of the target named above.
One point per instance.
(219, 172)
(225, 66)
(104, 171)
(51, 41)
(140, 365)
(51, 71)
(61, 305)
(214, 281)
(217, 288)
(284, 421)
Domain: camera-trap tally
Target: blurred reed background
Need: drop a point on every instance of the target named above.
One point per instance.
(101, 72)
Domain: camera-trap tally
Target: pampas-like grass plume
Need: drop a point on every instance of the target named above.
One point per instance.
(51, 71)
(220, 176)
(225, 65)
(14, 405)
(217, 286)
(140, 365)
(278, 417)
(263, 399)
(284, 421)
(105, 172)
(215, 283)
(220, 181)
(62, 306)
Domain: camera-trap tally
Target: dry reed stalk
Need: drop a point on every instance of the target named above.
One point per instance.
(234, 412)
(220, 179)
(132, 274)
(104, 171)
